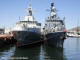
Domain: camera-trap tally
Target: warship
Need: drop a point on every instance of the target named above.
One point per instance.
(54, 29)
(27, 31)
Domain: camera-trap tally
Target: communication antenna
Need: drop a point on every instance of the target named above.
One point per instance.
(30, 11)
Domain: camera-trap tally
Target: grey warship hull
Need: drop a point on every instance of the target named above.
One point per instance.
(56, 39)
(25, 38)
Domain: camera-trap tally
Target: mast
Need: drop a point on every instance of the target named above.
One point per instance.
(77, 27)
(19, 18)
(64, 23)
(30, 10)
(53, 11)
(29, 16)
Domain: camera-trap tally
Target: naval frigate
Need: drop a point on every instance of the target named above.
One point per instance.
(27, 31)
(54, 28)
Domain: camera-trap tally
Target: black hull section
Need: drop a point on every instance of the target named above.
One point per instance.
(25, 38)
(56, 39)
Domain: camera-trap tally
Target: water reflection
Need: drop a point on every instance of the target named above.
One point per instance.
(7, 52)
(51, 53)
(71, 51)
(77, 42)
(32, 53)
(40, 52)
(72, 48)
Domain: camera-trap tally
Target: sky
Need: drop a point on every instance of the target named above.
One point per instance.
(10, 10)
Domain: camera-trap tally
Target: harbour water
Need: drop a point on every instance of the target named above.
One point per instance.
(70, 51)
